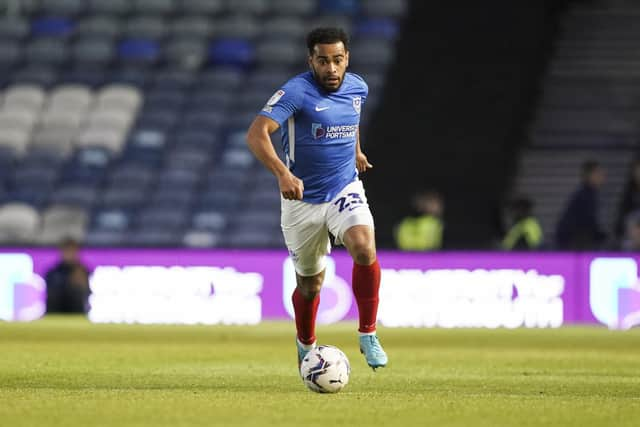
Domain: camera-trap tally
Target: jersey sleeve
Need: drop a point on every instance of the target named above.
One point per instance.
(284, 103)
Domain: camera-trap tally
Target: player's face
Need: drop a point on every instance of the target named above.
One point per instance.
(329, 63)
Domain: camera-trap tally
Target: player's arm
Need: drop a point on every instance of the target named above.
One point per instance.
(362, 164)
(259, 141)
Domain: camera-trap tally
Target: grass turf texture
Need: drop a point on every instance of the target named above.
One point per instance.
(67, 372)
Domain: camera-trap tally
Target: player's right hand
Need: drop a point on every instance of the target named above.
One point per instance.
(291, 187)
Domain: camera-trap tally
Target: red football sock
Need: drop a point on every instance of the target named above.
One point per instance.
(306, 310)
(366, 284)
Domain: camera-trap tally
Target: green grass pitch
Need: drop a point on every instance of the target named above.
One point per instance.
(67, 372)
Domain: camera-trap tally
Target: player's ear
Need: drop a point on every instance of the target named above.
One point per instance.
(310, 61)
(346, 59)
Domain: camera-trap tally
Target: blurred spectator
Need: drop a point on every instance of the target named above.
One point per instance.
(423, 231)
(579, 226)
(68, 282)
(525, 232)
(630, 199)
(631, 241)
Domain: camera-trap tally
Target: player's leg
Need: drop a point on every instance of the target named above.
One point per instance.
(350, 220)
(307, 239)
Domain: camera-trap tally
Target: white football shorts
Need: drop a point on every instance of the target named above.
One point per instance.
(306, 226)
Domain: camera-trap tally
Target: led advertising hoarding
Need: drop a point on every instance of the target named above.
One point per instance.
(470, 289)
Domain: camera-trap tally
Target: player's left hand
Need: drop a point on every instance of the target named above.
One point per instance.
(362, 164)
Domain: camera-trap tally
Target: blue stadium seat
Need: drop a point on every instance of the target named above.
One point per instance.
(192, 157)
(126, 198)
(211, 220)
(219, 199)
(52, 27)
(131, 174)
(139, 51)
(340, 7)
(170, 198)
(158, 119)
(147, 156)
(209, 121)
(210, 100)
(376, 27)
(235, 52)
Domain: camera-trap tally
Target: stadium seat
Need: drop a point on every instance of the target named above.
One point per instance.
(210, 220)
(61, 119)
(391, 8)
(331, 21)
(112, 219)
(219, 199)
(172, 198)
(173, 79)
(294, 7)
(60, 222)
(154, 238)
(201, 239)
(155, 6)
(164, 219)
(255, 7)
(106, 138)
(222, 78)
(19, 223)
(126, 198)
(129, 175)
(111, 7)
(22, 120)
(196, 26)
(194, 138)
(139, 51)
(286, 27)
(47, 51)
(287, 52)
(244, 27)
(70, 97)
(99, 26)
(105, 238)
(14, 28)
(10, 54)
(93, 51)
(145, 27)
(203, 7)
(189, 157)
(52, 27)
(62, 7)
(340, 7)
(167, 100)
(24, 97)
(376, 27)
(16, 140)
(87, 74)
(236, 52)
(79, 195)
(119, 97)
(58, 141)
(41, 75)
(130, 74)
(186, 53)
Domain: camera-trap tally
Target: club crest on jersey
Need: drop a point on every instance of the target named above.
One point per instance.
(357, 103)
(275, 98)
(317, 130)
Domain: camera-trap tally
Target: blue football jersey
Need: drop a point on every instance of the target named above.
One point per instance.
(319, 132)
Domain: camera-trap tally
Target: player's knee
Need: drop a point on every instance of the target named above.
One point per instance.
(363, 252)
(309, 287)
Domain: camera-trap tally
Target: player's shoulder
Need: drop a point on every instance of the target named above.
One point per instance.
(300, 81)
(356, 81)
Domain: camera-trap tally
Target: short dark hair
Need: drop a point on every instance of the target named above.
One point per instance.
(327, 35)
(588, 167)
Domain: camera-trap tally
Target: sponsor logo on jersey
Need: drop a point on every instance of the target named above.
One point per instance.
(334, 131)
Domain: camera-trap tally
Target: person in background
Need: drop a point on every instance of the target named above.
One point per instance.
(68, 282)
(631, 240)
(630, 200)
(579, 226)
(525, 232)
(422, 232)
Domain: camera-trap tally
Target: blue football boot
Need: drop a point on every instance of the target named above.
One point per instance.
(373, 351)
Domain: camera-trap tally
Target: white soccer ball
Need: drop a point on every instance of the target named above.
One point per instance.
(325, 369)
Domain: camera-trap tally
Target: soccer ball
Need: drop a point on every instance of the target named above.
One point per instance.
(325, 369)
